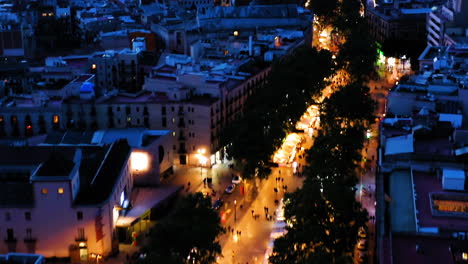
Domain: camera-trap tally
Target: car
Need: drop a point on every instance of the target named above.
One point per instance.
(362, 233)
(217, 204)
(362, 245)
(231, 188)
(236, 179)
(362, 257)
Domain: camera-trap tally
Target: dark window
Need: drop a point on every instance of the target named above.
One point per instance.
(138, 109)
(163, 110)
(79, 215)
(164, 122)
(7, 216)
(81, 234)
(10, 234)
(118, 108)
(28, 233)
(128, 110)
(172, 109)
(27, 216)
(174, 147)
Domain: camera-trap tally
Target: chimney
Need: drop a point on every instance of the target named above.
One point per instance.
(250, 45)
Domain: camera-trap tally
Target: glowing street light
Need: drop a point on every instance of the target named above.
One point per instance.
(202, 160)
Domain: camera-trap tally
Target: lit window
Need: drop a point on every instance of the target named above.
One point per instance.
(44, 191)
(465, 256)
(236, 33)
(56, 119)
(60, 191)
(173, 134)
(173, 120)
(93, 66)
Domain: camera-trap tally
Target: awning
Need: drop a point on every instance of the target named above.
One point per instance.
(145, 199)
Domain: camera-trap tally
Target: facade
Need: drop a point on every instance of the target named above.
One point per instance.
(117, 71)
(447, 25)
(65, 200)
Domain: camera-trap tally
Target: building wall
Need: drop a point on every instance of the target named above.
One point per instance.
(43, 120)
(54, 221)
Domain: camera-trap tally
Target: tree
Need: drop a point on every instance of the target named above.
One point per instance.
(274, 109)
(335, 155)
(190, 231)
(358, 54)
(325, 219)
(351, 105)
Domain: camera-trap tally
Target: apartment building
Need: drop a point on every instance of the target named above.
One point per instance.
(447, 25)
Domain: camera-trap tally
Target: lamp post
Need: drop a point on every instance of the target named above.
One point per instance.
(202, 160)
(235, 211)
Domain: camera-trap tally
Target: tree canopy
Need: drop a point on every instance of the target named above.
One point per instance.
(274, 108)
(191, 230)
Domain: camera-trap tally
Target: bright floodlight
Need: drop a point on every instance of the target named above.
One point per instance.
(139, 161)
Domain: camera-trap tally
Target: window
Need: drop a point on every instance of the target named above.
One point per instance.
(172, 109)
(28, 233)
(174, 147)
(55, 119)
(163, 110)
(164, 122)
(118, 108)
(173, 120)
(7, 216)
(173, 134)
(27, 216)
(138, 109)
(81, 234)
(79, 215)
(10, 234)
(60, 190)
(44, 191)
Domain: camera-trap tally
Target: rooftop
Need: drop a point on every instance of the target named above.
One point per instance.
(423, 249)
(425, 185)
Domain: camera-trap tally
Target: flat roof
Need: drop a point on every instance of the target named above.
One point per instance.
(425, 184)
(399, 145)
(402, 206)
(431, 250)
(145, 199)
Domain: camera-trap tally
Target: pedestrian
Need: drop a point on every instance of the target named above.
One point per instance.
(282, 179)
(286, 187)
(252, 212)
(279, 171)
(188, 184)
(266, 209)
(229, 228)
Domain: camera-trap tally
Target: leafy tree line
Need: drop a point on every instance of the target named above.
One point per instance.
(324, 214)
(188, 235)
(274, 109)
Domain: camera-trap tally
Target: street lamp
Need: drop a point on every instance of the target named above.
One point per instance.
(202, 160)
(235, 211)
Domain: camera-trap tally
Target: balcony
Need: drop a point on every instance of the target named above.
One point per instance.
(30, 240)
(81, 239)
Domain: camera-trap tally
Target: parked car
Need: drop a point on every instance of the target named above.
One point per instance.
(362, 245)
(231, 188)
(217, 204)
(236, 179)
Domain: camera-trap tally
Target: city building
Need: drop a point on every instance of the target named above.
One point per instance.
(79, 200)
(422, 162)
(447, 25)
